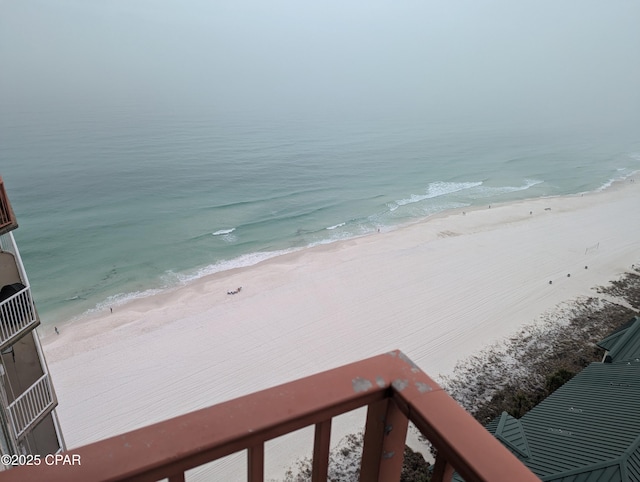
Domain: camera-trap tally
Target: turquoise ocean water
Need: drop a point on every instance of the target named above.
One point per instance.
(121, 203)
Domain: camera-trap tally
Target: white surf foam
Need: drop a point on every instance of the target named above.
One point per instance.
(435, 189)
(336, 226)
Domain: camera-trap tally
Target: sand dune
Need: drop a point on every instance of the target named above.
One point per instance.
(438, 290)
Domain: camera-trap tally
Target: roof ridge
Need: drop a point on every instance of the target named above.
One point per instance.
(633, 447)
(523, 449)
(586, 469)
(608, 342)
(629, 333)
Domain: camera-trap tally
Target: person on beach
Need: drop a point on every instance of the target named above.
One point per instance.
(111, 309)
(56, 328)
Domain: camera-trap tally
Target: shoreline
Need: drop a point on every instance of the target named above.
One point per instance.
(439, 289)
(192, 277)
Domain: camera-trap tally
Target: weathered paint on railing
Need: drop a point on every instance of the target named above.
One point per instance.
(31, 405)
(395, 390)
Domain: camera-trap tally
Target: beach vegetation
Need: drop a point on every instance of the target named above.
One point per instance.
(515, 375)
(626, 288)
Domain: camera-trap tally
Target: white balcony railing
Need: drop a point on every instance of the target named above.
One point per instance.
(17, 316)
(27, 409)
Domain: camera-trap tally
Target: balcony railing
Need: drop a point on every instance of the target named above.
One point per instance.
(7, 218)
(17, 317)
(395, 390)
(29, 408)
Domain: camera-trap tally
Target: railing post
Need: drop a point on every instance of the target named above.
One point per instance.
(384, 439)
(442, 471)
(322, 439)
(256, 463)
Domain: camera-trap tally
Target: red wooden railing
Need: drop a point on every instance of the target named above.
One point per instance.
(395, 390)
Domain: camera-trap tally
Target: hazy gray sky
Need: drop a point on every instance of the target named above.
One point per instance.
(543, 58)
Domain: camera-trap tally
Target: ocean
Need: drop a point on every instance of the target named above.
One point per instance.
(120, 203)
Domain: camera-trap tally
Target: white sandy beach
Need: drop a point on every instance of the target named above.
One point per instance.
(438, 290)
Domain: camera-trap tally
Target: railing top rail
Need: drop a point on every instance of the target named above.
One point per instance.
(43, 379)
(28, 409)
(190, 440)
(15, 295)
(18, 317)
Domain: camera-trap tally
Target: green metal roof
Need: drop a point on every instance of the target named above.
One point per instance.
(511, 433)
(624, 344)
(609, 342)
(590, 425)
(587, 430)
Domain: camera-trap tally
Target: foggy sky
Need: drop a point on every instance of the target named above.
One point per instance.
(574, 59)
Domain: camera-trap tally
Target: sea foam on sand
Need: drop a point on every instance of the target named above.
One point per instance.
(438, 290)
